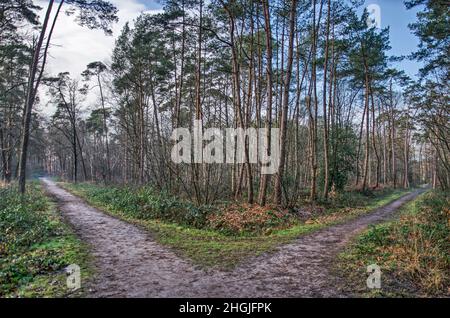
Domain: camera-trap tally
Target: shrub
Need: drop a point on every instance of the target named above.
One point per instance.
(413, 250)
(146, 203)
(35, 246)
(22, 222)
(240, 219)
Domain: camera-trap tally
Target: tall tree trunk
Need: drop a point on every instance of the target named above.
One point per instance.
(367, 111)
(392, 115)
(313, 193)
(374, 145)
(105, 130)
(268, 125)
(325, 119)
(238, 105)
(406, 157)
(198, 106)
(31, 95)
(285, 105)
(361, 129)
(75, 154)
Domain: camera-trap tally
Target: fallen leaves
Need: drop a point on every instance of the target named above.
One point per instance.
(251, 218)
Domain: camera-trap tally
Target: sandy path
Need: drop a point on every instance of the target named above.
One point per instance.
(131, 264)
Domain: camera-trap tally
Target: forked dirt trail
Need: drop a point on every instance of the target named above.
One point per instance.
(130, 263)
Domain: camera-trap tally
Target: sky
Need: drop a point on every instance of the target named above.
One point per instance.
(395, 15)
(73, 46)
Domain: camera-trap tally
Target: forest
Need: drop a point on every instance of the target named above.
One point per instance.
(356, 138)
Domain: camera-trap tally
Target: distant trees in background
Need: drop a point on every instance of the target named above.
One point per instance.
(90, 13)
(313, 68)
(429, 96)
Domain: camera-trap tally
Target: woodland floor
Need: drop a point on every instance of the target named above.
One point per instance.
(129, 263)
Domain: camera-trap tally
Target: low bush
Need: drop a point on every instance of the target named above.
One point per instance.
(146, 203)
(413, 251)
(222, 236)
(22, 222)
(35, 246)
(360, 198)
(240, 219)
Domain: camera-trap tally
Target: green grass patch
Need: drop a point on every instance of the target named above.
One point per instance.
(207, 246)
(36, 246)
(412, 252)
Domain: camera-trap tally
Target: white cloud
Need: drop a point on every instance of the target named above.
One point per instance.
(73, 46)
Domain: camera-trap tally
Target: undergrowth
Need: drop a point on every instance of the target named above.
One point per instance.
(413, 251)
(35, 246)
(222, 236)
